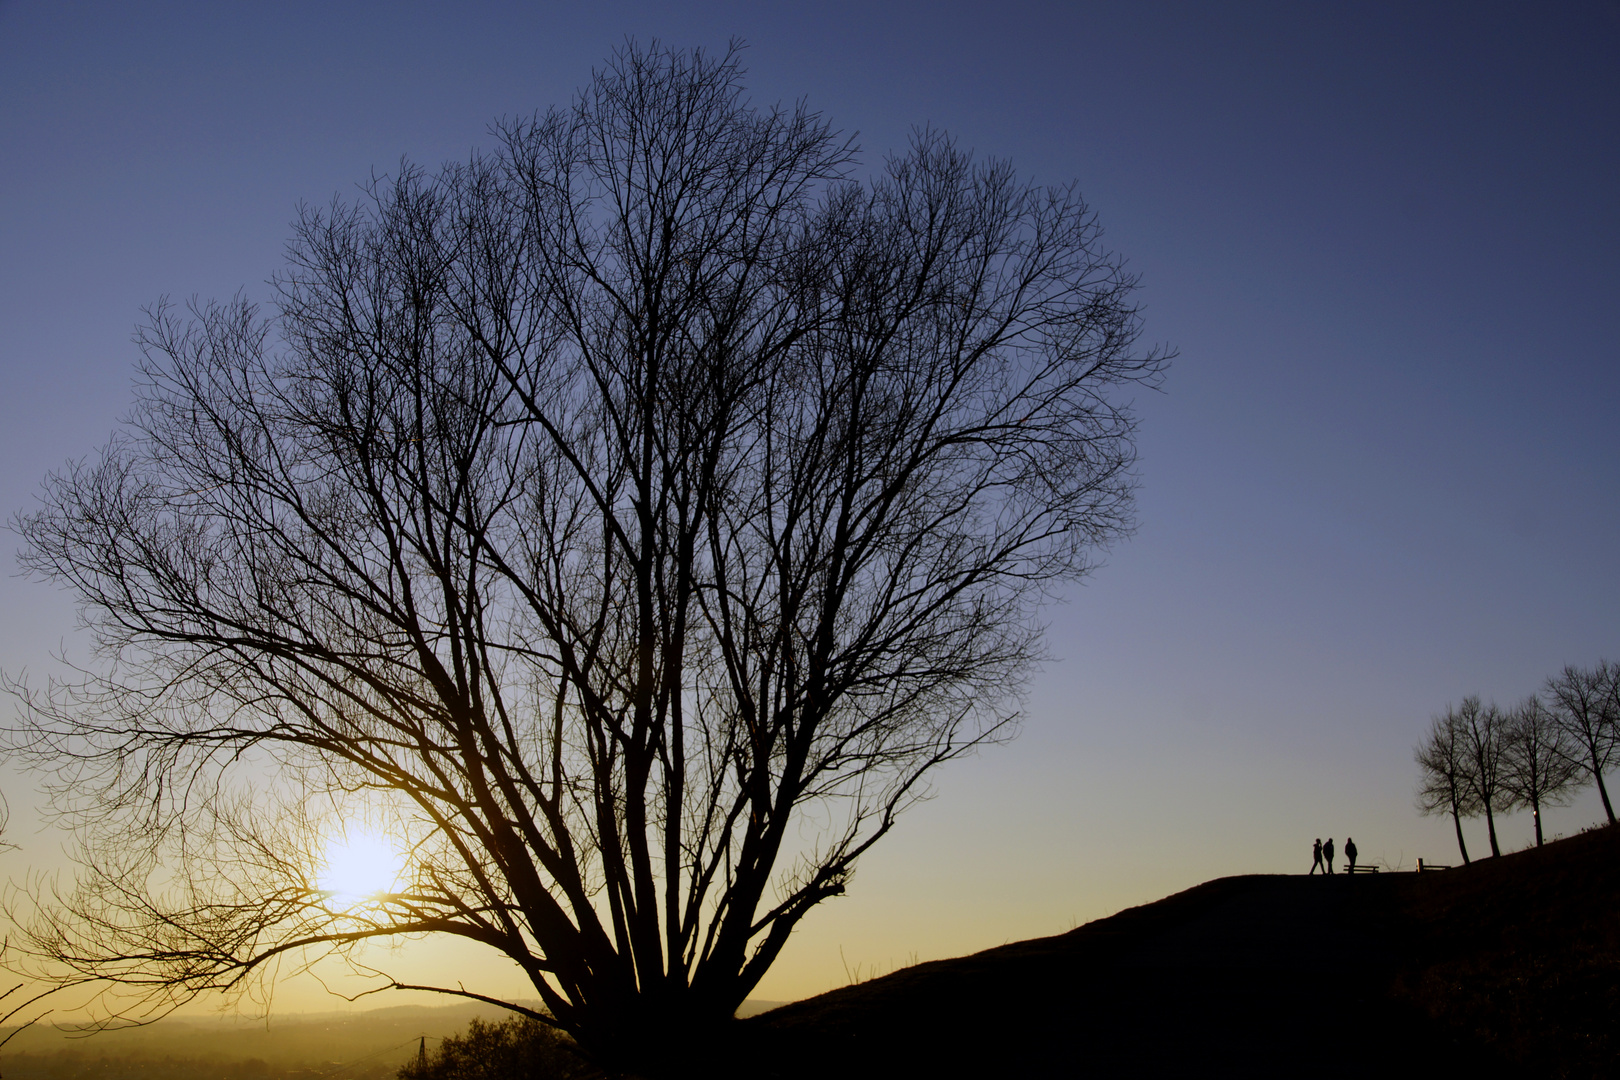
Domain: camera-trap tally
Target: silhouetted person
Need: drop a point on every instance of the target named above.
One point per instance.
(1327, 854)
(1316, 854)
(1350, 853)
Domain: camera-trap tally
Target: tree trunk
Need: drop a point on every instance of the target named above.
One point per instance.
(1597, 773)
(1490, 828)
(1461, 846)
(1535, 815)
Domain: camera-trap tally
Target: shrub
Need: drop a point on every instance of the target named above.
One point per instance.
(515, 1049)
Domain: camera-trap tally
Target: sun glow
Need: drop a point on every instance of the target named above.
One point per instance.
(358, 865)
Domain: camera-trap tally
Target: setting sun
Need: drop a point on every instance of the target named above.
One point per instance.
(359, 865)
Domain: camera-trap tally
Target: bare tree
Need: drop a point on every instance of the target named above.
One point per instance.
(18, 1000)
(1444, 784)
(628, 519)
(1585, 705)
(1482, 735)
(1538, 768)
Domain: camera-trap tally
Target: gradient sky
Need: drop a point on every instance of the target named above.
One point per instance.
(1383, 474)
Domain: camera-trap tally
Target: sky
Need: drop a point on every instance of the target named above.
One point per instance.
(1383, 472)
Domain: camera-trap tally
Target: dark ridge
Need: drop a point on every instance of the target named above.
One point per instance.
(1511, 965)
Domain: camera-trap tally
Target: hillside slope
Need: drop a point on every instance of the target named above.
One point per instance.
(1469, 971)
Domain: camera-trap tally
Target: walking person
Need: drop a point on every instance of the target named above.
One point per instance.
(1316, 852)
(1350, 853)
(1327, 854)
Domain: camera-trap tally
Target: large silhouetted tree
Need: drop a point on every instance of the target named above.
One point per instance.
(1585, 705)
(15, 1000)
(1538, 768)
(1444, 786)
(627, 520)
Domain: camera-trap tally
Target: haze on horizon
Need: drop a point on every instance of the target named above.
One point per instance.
(1381, 477)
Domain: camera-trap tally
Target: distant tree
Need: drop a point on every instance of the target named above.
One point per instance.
(1482, 734)
(629, 520)
(1538, 768)
(1444, 786)
(1585, 705)
(520, 1048)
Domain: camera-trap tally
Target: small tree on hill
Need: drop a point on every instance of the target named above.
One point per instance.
(1443, 785)
(1481, 733)
(1585, 706)
(1538, 768)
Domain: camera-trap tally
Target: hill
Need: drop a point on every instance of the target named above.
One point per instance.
(1511, 965)
(351, 1045)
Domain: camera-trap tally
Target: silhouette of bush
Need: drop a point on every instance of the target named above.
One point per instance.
(516, 1049)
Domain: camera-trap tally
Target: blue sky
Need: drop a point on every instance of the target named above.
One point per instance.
(1383, 473)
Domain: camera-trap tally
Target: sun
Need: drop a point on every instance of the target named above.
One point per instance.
(359, 864)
